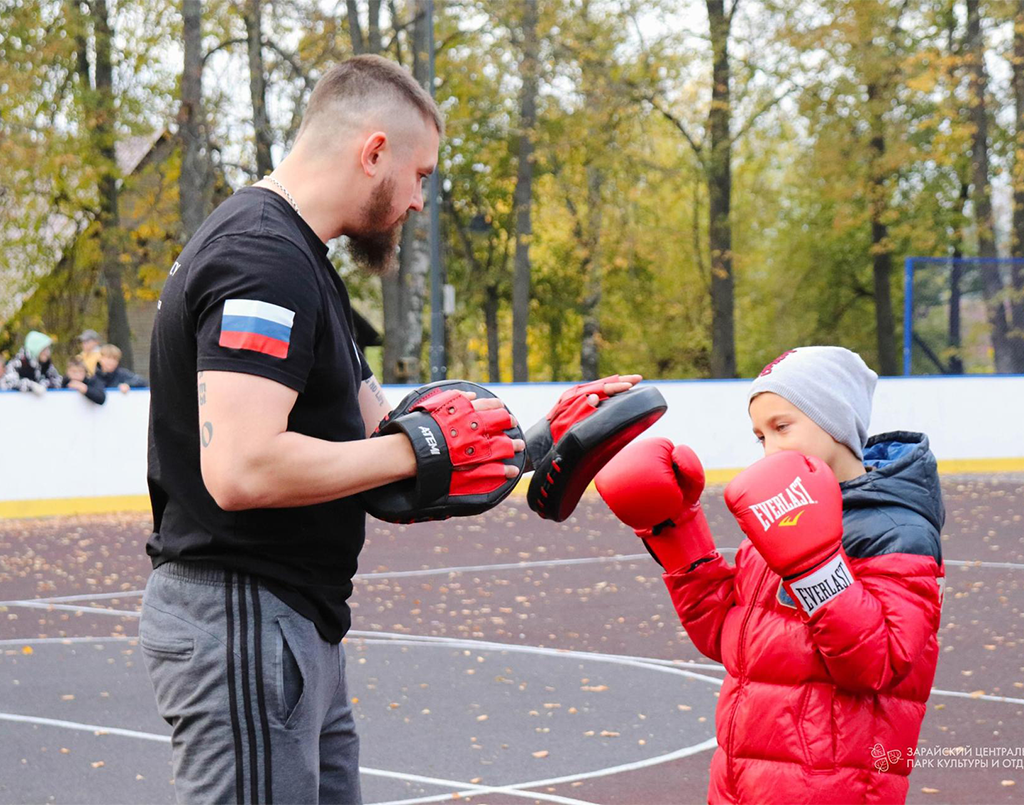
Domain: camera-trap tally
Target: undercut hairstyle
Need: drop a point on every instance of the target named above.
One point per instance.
(363, 83)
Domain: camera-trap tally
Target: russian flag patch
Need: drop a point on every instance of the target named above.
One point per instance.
(257, 326)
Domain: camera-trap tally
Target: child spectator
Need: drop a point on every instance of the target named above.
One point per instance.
(76, 378)
(111, 374)
(32, 369)
(90, 354)
(827, 622)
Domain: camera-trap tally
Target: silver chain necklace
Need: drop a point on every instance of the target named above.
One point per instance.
(287, 195)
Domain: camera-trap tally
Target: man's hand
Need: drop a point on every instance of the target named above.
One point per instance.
(589, 424)
(468, 450)
(574, 405)
(493, 404)
(612, 385)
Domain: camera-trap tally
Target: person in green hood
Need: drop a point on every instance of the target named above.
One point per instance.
(32, 368)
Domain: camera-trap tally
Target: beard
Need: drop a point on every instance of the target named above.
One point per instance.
(374, 247)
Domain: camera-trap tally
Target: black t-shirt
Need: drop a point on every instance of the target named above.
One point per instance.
(254, 292)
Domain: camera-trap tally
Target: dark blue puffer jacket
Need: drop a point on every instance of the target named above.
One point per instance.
(897, 506)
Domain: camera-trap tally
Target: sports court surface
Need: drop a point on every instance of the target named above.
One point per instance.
(497, 659)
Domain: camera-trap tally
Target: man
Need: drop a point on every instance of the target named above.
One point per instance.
(89, 341)
(257, 527)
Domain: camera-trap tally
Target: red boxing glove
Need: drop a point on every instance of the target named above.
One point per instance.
(791, 508)
(655, 488)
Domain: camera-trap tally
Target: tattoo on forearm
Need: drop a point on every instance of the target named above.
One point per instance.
(207, 434)
(378, 392)
(202, 394)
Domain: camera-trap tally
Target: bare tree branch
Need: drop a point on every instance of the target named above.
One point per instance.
(223, 46)
(763, 109)
(292, 61)
(698, 148)
(731, 13)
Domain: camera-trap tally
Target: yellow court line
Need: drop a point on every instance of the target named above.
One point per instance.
(957, 466)
(53, 507)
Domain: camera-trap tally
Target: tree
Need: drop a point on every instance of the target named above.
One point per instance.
(1017, 272)
(981, 195)
(253, 14)
(98, 100)
(872, 114)
(407, 292)
(529, 70)
(194, 177)
(719, 169)
(714, 153)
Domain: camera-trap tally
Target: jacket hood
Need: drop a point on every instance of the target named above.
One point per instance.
(901, 472)
(35, 343)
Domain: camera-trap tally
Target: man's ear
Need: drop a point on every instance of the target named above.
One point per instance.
(373, 150)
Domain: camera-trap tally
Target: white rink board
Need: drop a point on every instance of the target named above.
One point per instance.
(62, 446)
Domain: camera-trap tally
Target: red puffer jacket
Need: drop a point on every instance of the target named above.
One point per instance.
(826, 710)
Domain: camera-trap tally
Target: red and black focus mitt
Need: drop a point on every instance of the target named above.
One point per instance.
(461, 455)
(576, 439)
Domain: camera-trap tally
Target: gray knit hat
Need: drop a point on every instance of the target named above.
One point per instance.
(831, 385)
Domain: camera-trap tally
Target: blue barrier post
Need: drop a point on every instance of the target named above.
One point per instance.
(908, 312)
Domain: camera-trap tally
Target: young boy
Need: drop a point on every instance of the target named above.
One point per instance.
(77, 378)
(111, 374)
(827, 624)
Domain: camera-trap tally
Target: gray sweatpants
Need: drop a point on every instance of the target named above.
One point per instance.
(256, 698)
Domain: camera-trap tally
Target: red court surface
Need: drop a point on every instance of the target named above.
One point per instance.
(497, 659)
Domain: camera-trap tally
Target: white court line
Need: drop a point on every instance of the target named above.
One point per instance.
(518, 789)
(686, 751)
(988, 697)
(31, 641)
(394, 638)
(969, 563)
(81, 597)
(380, 574)
(468, 788)
(630, 557)
(413, 640)
(436, 571)
(93, 728)
(132, 613)
(476, 643)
